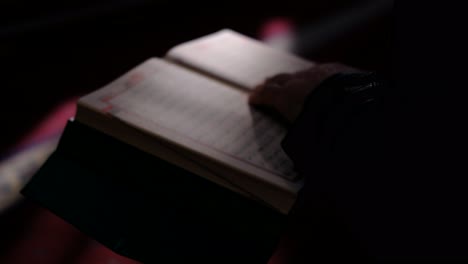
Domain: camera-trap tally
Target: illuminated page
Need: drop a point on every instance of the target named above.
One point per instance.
(200, 115)
(236, 59)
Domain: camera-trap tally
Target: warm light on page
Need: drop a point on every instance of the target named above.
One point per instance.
(209, 113)
(236, 58)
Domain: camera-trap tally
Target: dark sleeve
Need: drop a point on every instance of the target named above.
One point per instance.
(341, 119)
(336, 145)
(367, 196)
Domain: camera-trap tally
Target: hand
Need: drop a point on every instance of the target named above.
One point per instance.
(286, 93)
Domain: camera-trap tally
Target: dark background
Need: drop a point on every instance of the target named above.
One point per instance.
(50, 52)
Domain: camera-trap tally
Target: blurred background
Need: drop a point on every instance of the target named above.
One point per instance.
(51, 54)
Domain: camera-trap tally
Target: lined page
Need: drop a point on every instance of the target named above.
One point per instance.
(197, 113)
(236, 58)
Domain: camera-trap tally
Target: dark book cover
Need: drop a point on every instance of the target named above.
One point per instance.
(147, 209)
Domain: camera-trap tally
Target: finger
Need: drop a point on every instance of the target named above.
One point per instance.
(262, 96)
(256, 94)
(279, 79)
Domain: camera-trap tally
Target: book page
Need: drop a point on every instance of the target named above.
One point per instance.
(202, 115)
(236, 59)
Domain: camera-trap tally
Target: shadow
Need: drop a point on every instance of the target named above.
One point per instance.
(269, 130)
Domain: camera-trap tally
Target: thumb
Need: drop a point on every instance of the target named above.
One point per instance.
(256, 96)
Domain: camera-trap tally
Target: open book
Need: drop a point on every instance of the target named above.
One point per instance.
(191, 109)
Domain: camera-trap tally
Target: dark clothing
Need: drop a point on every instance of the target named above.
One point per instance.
(353, 206)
